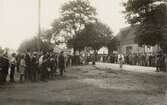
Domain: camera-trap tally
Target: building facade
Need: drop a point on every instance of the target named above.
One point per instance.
(127, 44)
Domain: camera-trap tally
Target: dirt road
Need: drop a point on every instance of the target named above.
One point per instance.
(90, 85)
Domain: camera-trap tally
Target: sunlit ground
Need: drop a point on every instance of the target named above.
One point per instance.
(90, 85)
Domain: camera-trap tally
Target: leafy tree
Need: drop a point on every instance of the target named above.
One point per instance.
(75, 15)
(33, 45)
(47, 35)
(149, 18)
(58, 28)
(112, 45)
(95, 35)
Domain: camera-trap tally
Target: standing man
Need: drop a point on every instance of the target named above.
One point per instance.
(28, 65)
(44, 66)
(18, 58)
(34, 67)
(61, 62)
(40, 61)
(4, 66)
(159, 62)
(165, 62)
(12, 67)
(22, 66)
(121, 60)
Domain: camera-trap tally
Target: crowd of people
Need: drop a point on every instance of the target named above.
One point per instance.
(33, 66)
(158, 60)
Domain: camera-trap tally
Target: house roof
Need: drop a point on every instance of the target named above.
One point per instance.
(126, 35)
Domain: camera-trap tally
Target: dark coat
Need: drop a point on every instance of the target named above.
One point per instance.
(4, 66)
(61, 61)
(27, 60)
(34, 63)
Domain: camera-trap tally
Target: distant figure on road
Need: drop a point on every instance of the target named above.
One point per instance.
(61, 62)
(160, 62)
(121, 60)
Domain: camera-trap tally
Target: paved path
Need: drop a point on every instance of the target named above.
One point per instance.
(133, 68)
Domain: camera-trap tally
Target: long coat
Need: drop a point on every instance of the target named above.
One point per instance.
(61, 62)
(22, 66)
(28, 61)
(4, 66)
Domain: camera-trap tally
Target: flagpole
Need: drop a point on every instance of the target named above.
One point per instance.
(39, 23)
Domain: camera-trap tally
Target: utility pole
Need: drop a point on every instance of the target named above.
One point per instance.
(39, 23)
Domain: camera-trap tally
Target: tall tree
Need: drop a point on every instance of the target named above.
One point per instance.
(95, 35)
(149, 18)
(75, 15)
(112, 45)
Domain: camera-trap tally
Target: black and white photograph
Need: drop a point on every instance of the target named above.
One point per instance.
(83, 52)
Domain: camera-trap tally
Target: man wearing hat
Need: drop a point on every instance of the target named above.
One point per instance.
(61, 63)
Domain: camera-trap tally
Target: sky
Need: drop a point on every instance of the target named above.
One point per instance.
(19, 18)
